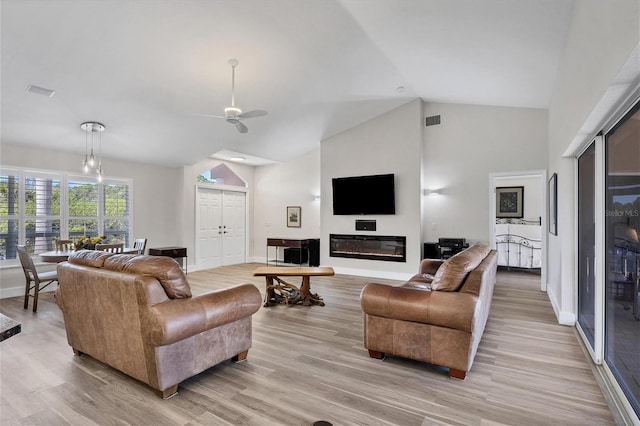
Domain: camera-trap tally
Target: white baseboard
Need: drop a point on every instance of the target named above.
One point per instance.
(194, 268)
(401, 276)
(564, 318)
(567, 318)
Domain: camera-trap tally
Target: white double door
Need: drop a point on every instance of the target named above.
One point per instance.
(221, 228)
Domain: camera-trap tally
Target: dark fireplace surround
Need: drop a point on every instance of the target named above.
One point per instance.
(371, 247)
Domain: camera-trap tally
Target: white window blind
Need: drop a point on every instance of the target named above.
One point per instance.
(38, 207)
(116, 212)
(9, 212)
(82, 207)
(41, 211)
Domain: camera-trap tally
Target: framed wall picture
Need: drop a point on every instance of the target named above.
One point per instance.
(553, 204)
(294, 219)
(510, 201)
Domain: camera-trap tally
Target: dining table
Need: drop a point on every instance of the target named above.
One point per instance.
(57, 256)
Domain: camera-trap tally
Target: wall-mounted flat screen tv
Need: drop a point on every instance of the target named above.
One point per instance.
(363, 195)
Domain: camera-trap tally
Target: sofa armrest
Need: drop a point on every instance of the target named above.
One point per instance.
(177, 319)
(430, 266)
(446, 309)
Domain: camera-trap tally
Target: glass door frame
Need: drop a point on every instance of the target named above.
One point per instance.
(597, 351)
(608, 364)
(614, 389)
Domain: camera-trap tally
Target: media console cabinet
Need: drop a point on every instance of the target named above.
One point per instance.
(297, 251)
(174, 252)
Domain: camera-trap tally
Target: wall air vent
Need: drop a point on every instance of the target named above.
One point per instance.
(40, 91)
(432, 121)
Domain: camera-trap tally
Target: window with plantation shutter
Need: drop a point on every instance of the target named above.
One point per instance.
(37, 208)
(116, 212)
(9, 213)
(83, 207)
(41, 211)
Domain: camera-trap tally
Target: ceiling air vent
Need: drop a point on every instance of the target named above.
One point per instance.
(432, 121)
(40, 91)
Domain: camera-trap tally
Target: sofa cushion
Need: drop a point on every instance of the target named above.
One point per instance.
(164, 269)
(451, 274)
(92, 258)
(419, 282)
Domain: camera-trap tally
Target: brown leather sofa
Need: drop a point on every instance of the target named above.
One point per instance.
(438, 316)
(136, 314)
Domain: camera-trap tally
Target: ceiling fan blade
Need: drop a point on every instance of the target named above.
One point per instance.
(209, 115)
(254, 113)
(242, 128)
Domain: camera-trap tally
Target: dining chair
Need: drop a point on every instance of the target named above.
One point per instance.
(64, 245)
(111, 248)
(140, 244)
(31, 274)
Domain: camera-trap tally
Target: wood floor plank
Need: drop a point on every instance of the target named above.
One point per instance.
(308, 363)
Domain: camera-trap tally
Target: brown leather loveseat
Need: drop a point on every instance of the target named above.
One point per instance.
(136, 314)
(438, 316)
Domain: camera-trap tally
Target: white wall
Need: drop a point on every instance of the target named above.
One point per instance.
(390, 143)
(154, 192)
(293, 183)
(472, 142)
(602, 36)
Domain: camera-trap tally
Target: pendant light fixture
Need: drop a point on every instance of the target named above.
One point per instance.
(89, 162)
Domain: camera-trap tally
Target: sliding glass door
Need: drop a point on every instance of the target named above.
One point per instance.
(622, 287)
(587, 243)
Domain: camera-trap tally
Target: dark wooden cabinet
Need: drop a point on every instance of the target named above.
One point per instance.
(296, 255)
(297, 251)
(444, 248)
(174, 252)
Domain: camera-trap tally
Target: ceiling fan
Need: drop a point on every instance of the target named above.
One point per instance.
(232, 114)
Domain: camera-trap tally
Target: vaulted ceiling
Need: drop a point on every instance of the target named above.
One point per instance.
(148, 68)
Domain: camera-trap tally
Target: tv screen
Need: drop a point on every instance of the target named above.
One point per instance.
(363, 195)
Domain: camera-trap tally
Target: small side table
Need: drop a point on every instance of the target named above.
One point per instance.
(174, 252)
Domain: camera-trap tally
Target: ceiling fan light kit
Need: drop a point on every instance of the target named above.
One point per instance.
(230, 114)
(233, 114)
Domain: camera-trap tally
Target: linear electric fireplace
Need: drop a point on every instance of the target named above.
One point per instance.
(372, 247)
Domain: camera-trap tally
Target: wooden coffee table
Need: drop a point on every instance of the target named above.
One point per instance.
(280, 291)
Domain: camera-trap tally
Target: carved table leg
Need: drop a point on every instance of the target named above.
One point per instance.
(309, 298)
(270, 295)
(280, 291)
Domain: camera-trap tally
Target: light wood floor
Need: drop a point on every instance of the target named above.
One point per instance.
(309, 364)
